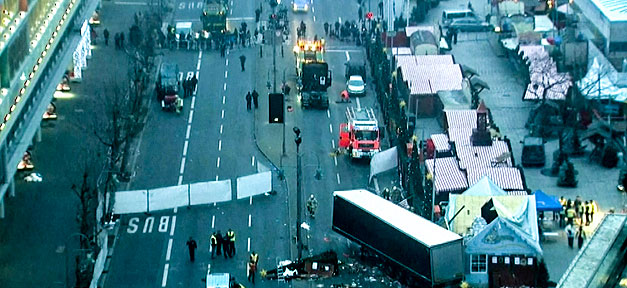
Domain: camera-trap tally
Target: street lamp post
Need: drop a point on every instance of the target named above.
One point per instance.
(299, 193)
(67, 275)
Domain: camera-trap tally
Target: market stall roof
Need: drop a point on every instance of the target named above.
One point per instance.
(546, 202)
(429, 79)
(455, 99)
(508, 178)
(441, 142)
(512, 241)
(471, 156)
(461, 118)
(447, 177)
(424, 60)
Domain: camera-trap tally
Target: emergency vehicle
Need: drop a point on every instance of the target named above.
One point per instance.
(314, 76)
(214, 16)
(360, 135)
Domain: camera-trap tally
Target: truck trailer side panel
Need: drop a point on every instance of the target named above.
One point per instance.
(446, 264)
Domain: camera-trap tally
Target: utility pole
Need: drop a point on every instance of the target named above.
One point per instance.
(299, 193)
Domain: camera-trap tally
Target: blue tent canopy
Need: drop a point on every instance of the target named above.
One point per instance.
(546, 202)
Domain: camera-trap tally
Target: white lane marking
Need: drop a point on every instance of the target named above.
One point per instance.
(328, 113)
(252, 162)
(182, 166)
(168, 252)
(193, 101)
(220, 128)
(164, 280)
(339, 19)
(335, 160)
(338, 178)
(191, 117)
(358, 102)
(248, 244)
(331, 128)
(214, 204)
(176, 209)
(348, 57)
(224, 86)
(218, 164)
(180, 180)
(198, 65)
(189, 130)
(226, 74)
(222, 113)
(231, 2)
(185, 147)
(223, 99)
(213, 221)
(199, 54)
(333, 143)
(313, 10)
(173, 225)
(220, 145)
(250, 218)
(314, 18)
(250, 200)
(227, 62)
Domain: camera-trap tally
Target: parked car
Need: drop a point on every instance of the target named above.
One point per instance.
(300, 5)
(533, 152)
(356, 86)
(470, 24)
(449, 15)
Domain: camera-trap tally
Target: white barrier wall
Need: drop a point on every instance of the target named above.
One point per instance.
(255, 184)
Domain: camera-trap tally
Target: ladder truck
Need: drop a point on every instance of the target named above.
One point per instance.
(360, 135)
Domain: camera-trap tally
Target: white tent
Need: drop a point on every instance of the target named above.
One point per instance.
(597, 84)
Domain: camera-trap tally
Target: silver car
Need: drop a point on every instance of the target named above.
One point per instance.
(470, 24)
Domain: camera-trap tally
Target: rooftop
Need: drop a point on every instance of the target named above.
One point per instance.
(614, 10)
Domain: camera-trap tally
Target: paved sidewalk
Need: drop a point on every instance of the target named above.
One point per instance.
(42, 215)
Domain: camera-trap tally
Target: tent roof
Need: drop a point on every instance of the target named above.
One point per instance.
(501, 237)
(485, 187)
(546, 202)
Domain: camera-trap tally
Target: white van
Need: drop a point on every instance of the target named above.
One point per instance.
(449, 15)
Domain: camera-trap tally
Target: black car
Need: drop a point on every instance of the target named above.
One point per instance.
(167, 80)
(533, 152)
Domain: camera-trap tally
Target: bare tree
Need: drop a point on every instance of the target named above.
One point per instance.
(546, 82)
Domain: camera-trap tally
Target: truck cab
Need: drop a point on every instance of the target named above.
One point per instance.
(167, 81)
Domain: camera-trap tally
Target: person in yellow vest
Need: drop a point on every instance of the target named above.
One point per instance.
(593, 210)
(214, 244)
(230, 237)
(254, 257)
(581, 213)
(562, 212)
(570, 213)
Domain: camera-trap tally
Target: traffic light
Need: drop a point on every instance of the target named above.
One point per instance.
(276, 110)
(369, 15)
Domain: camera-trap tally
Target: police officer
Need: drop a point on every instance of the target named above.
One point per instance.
(221, 244)
(255, 98)
(242, 61)
(191, 245)
(214, 244)
(248, 99)
(570, 213)
(312, 204)
(230, 237)
(254, 257)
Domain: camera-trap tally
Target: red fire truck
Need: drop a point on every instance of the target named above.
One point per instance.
(360, 135)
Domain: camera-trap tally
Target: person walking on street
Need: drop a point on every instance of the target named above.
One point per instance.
(193, 83)
(230, 236)
(326, 29)
(255, 99)
(455, 32)
(581, 235)
(191, 246)
(221, 245)
(105, 33)
(242, 61)
(570, 234)
(214, 244)
(593, 210)
(185, 88)
(116, 37)
(587, 207)
(121, 40)
(570, 213)
(252, 269)
(222, 50)
(248, 98)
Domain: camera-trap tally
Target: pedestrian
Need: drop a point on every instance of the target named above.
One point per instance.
(230, 236)
(593, 210)
(117, 40)
(581, 235)
(260, 51)
(254, 257)
(469, 6)
(252, 269)
(222, 50)
(191, 245)
(194, 82)
(213, 244)
(185, 87)
(326, 28)
(221, 245)
(248, 98)
(242, 61)
(255, 99)
(570, 213)
(360, 13)
(581, 212)
(587, 210)
(455, 32)
(105, 33)
(121, 40)
(570, 234)
(257, 15)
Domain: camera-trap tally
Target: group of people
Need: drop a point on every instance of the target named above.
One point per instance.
(577, 211)
(189, 86)
(254, 97)
(223, 244)
(347, 31)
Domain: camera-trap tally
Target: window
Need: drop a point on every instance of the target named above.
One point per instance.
(478, 263)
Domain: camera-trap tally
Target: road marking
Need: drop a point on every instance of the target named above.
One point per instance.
(348, 57)
(175, 209)
(227, 62)
(189, 130)
(223, 99)
(198, 65)
(182, 166)
(164, 280)
(313, 10)
(342, 50)
(314, 18)
(213, 221)
(248, 244)
(250, 200)
(222, 113)
(231, 2)
(173, 225)
(193, 101)
(224, 86)
(185, 147)
(226, 74)
(191, 117)
(331, 128)
(220, 145)
(218, 164)
(339, 19)
(180, 180)
(335, 160)
(328, 113)
(169, 251)
(214, 204)
(220, 128)
(199, 54)
(252, 162)
(358, 102)
(333, 143)
(250, 217)
(338, 178)
(130, 3)
(231, 12)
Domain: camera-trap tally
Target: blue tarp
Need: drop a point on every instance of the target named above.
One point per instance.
(546, 202)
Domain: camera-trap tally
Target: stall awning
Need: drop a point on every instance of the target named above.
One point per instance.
(546, 202)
